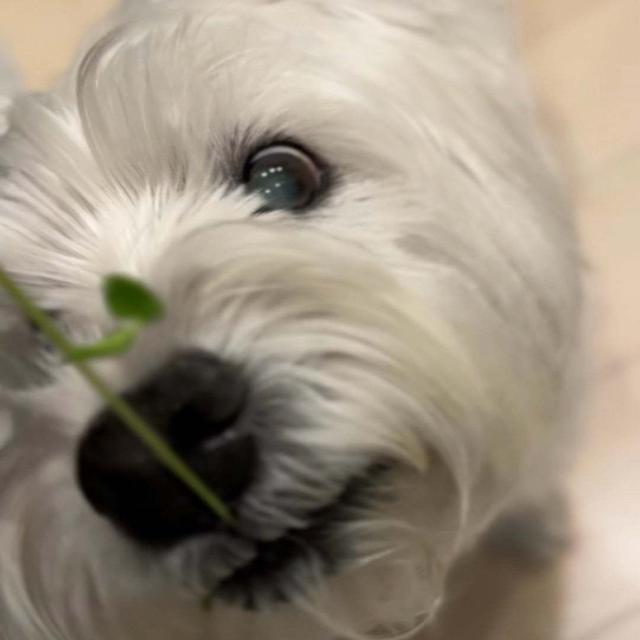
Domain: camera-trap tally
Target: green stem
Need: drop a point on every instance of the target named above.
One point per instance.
(120, 407)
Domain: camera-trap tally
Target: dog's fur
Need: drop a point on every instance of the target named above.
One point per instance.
(423, 317)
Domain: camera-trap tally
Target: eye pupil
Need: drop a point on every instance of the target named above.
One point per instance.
(284, 176)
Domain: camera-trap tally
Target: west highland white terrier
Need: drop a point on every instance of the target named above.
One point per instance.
(370, 348)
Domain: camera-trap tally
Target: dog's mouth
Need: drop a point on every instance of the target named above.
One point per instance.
(253, 574)
(281, 569)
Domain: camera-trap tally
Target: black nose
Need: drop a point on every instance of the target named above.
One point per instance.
(197, 402)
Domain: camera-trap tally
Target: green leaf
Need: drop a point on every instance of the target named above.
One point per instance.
(129, 299)
(115, 344)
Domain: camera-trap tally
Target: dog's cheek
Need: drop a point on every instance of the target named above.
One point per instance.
(25, 361)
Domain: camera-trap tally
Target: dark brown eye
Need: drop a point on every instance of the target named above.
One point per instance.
(284, 176)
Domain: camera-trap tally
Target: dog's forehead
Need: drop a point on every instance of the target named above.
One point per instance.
(277, 50)
(460, 20)
(287, 34)
(239, 51)
(209, 76)
(411, 10)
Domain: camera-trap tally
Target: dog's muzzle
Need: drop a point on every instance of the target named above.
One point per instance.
(197, 402)
(290, 428)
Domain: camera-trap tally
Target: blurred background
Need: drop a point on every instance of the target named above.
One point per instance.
(584, 61)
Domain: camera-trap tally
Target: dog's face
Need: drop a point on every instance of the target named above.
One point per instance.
(370, 292)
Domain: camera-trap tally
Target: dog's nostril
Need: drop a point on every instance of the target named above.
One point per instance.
(196, 402)
(210, 397)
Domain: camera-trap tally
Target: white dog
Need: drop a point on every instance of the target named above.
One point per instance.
(370, 347)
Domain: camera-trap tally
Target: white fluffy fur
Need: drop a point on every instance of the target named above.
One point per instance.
(425, 313)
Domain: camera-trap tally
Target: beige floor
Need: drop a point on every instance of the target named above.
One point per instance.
(585, 59)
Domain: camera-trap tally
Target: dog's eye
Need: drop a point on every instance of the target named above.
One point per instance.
(284, 176)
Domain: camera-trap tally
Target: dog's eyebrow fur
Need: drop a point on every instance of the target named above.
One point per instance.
(238, 148)
(227, 152)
